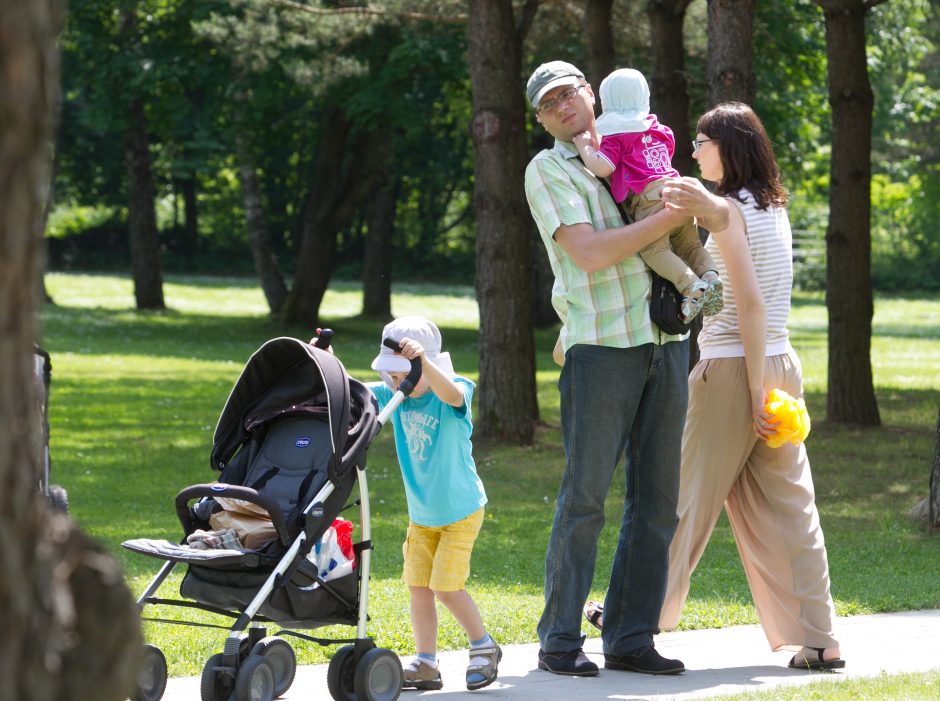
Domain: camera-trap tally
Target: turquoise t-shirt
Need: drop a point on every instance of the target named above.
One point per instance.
(435, 455)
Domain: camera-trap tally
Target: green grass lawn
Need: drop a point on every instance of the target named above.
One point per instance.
(136, 396)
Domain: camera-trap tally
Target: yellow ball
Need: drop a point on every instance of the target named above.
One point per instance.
(793, 419)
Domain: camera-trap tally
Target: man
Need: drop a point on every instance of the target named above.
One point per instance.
(623, 391)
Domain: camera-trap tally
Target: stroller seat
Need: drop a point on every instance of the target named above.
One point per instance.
(287, 462)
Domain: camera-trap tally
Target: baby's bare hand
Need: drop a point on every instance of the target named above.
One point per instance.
(583, 139)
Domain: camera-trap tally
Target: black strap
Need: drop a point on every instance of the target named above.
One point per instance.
(627, 219)
(259, 483)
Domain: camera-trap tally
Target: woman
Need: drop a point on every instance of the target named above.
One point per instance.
(745, 352)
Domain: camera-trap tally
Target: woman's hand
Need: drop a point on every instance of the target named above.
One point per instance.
(689, 196)
(765, 425)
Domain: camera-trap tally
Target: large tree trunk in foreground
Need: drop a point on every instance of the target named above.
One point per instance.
(849, 299)
(507, 403)
(70, 627)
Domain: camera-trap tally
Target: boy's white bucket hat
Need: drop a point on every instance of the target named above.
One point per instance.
(625, 103)
(419, 329)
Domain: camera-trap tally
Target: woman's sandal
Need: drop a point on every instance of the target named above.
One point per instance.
(593, 612)
(480, 675)
(799, 661)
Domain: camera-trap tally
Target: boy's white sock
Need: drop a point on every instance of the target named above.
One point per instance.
(485, 641)
(430, 660)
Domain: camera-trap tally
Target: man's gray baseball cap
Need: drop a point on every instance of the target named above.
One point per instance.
(548, 76)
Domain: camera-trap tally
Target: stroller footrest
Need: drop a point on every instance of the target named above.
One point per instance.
(175, 552)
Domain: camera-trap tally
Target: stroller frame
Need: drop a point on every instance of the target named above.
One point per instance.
(258, 666)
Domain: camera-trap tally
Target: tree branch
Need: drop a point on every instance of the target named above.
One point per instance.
(371, 11)
(526, 17)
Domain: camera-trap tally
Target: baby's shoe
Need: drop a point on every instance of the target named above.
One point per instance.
(693, 299)
(422, 676)
(714, 295)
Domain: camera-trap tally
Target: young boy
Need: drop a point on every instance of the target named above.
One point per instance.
(445, 497)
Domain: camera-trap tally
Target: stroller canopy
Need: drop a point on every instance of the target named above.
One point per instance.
(285, 377)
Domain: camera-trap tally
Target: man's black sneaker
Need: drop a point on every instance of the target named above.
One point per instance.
(646, 662)
(573, 663)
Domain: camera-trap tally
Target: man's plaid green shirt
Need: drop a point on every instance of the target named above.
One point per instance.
(611, 306)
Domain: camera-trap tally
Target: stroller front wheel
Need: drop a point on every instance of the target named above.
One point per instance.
(280, 655)
(378, 676)
(341, 674)
(255, 681)
(151, 680)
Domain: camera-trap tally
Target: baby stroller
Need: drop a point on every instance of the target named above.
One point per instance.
(292, 439)
(42, 365)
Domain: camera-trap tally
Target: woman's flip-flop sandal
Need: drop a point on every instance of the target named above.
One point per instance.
(594, 612)
(799, 661)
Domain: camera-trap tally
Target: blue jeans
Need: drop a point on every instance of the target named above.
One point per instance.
(616, 401)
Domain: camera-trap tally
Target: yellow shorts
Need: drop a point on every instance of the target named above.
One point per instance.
(439, 557)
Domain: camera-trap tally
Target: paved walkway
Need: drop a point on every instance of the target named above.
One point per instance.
(718, 662)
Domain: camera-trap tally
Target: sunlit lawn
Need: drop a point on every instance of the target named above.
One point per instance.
(136, 397)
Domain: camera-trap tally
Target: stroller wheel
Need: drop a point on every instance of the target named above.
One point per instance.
(280, 655)
(341, 674)
(151, 679)
(211, 686)
(378, 676)
(255, 681)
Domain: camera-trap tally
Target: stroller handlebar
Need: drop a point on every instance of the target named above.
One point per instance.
(324, 338)
(407, 385)
(233, 491)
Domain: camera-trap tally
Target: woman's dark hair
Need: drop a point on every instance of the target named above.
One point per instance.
(747, 159)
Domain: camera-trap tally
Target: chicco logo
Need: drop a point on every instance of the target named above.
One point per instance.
(302, 442)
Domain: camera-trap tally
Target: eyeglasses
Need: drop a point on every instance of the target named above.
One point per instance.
(558, 102)
(697, 144)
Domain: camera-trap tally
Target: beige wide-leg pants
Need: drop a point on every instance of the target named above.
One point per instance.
(769, 497)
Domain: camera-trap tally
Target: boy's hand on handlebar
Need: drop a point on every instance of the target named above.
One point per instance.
(313, 342)
(411, 349)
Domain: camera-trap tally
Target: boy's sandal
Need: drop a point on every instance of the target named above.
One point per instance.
(593, 611)
(799, 661)
(480, 675)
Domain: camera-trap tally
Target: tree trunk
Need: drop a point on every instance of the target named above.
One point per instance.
(543, 279)
(599, 35)
(259, 238)
(190, 214)
(730, 71)
(507, 402)
(345, 174)
(934, 512)
(377, 263)
(851, 397)
(69, 622)
(669, 89)
(141, 213)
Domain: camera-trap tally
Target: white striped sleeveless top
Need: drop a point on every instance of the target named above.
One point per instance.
(771, 245)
